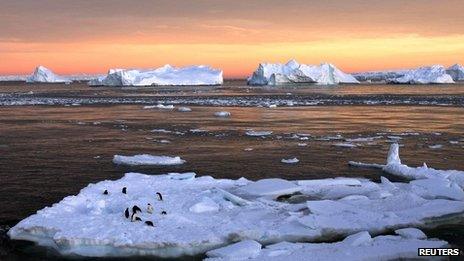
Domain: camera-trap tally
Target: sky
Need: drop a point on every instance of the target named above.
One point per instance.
(85, 36)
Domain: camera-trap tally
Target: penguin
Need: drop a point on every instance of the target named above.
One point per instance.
(124, 190)
(135, 217)
(126, 213)
(105, 192)
(163, 212)
(149, 223)
(135, 208)
(149, 208)
(160, 197)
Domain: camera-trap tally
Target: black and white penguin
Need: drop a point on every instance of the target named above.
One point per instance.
(160, 197)
(164, 212)
(149, 223)
(149, 208)
(105, 192)
(135, 217)
(124, 190)
(126, 213)
(135, 208)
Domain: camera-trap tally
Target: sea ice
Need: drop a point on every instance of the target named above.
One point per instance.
(258, 133)
(239, 251)
(222, 114)
(159, 106)
(293, 72)
(166, 75)
(145, 159)
(271, 187)
(290, 161)
(184, 109)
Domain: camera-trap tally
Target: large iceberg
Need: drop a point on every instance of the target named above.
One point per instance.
(293, 72)
(45, 75)
(435, 74)
(457, 72)
(166, 75)
(198, 214)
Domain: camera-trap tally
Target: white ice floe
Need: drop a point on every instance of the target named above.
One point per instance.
(456, 72)
(258, 133)
(203, 213)
(360, 246)
(166, 75)
(146, 159)
(434, 74)
(293, 72)
(222, 114)
(184, 109)
(44, 75)
(345, 145)
(159, 106)
(411, 232)
(290, 161)
(436, 146)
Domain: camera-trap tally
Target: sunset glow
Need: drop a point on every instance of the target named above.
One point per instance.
(375, 35)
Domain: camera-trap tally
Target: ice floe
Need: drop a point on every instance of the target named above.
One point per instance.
(184, 109)
(146, 159)
(160, 106)
(222, 114)
(258, 133)
(293, 72)
(44, 75)
(166, 75)
(201, 214)
(360, 246)
(290, 161)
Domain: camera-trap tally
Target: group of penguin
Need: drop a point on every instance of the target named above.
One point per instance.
(135, 209)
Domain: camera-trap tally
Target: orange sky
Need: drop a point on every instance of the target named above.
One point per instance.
(356, 35)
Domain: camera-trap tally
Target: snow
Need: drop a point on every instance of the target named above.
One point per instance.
(146, 159)
(434, 74)
(292, 72)
(290, 161)
(166, 75)
(411, 232)
(239, 251)
(360, 246)
(456, 72)
(222, 114)
(271, 187)
(44, 75)
(258, 133)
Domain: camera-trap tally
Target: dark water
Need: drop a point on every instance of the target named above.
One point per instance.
(48, 152)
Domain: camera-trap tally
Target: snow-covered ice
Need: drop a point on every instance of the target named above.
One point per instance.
(45, 75)
(360, 246)
(166, 75)
(239, 251)
(146, 159)
(222, 114)
(258, 133)
(290, 161)
(293, 72)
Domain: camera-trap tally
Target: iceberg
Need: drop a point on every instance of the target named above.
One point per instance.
(435, 74)
(293, 72)
(166, 75)
(456, 72)
(44, 75)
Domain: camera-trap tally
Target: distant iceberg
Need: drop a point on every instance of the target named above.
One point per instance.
(456, 72)
(166, 75)
(293, 72)
(435, 74)
(45, 75)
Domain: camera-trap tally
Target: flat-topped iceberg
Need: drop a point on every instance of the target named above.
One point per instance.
(44, 75)
(198, 214)
(166, 75)
(456, 72)
(146, 159)
(293, 72)
(435, 74)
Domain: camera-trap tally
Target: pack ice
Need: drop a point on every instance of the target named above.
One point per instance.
(204, 213)
(293, 72)
(44, 75)
(166, 75)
